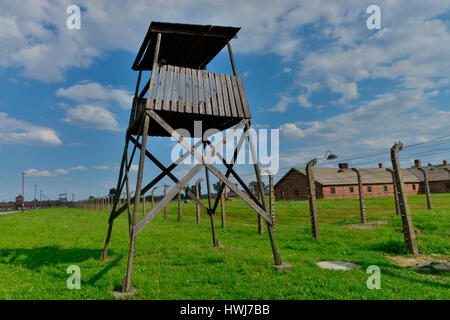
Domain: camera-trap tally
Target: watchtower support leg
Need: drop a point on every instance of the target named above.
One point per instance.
(210, 213)
(137, 197)
(273, 243)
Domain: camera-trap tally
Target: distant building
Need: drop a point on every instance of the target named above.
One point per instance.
(342, 182)
(19, 202)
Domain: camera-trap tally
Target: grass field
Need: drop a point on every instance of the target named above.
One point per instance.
(175, 260)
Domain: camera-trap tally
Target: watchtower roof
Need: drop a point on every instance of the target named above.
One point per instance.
(183, 45)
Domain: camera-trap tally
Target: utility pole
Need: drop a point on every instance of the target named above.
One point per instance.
(23, 190)
(408, 227)
(362, 207)
(34, 200)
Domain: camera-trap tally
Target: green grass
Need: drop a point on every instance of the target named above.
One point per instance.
(175, 260)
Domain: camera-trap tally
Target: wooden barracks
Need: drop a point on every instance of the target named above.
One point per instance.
(377, 182)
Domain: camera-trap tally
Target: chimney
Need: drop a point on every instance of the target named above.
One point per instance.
(417, 163)
(343, 165)
(444, 162)
(380, 165)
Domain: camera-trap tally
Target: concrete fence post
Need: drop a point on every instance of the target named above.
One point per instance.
(427, 189)
(397, 205)
(312, 199)
(408, 227)
(362, 207)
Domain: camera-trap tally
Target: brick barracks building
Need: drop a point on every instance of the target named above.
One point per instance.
(377, 182)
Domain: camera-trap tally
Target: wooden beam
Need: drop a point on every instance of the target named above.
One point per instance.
(205, 159)
(168, 172)
(156, 180)
(170, 195)
(230, 52)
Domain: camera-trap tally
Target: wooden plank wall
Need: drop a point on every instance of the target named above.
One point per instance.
(187, 90)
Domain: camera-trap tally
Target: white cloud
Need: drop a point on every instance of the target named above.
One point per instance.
(46, 173)
(94, 91)
(101, 167)
(13, 131)
(376, 124)
(92, 117)
(38, 42)
(39, 173)
(79, 168)
(282, 104)
(134, 167)
(291, 131)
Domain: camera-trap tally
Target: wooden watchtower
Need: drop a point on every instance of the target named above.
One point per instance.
(179, 92)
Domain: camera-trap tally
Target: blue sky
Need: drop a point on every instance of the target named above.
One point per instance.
(312, 69)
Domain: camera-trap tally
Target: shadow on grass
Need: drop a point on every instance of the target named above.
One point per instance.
(406, 274)
(51, 256)
(46, 256)
(390, 246)
(104, 271)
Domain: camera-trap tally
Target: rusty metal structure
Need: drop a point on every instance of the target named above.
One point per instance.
(179, 93)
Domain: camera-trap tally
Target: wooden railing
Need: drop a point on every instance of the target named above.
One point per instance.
(185, 90)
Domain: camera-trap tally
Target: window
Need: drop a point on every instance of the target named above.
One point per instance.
(333, 190)
(297, 193)
(352, 189)
(386, 189)
(369, 189)
(281, 193)
(414, 187)
(447, 185)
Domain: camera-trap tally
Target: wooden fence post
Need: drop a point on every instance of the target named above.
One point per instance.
(260, 219)
(312, 199)
(180, 213)
(222, 210)
(427, 189)
(362, 207)
(153, 196)
(408, 227)
(197, 195)
(143, 205)
(165, 207)
(271, 196)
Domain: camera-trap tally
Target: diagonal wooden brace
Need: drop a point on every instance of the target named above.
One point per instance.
(205, 160)
(169, 174)
(155, 181)
(166, 199)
